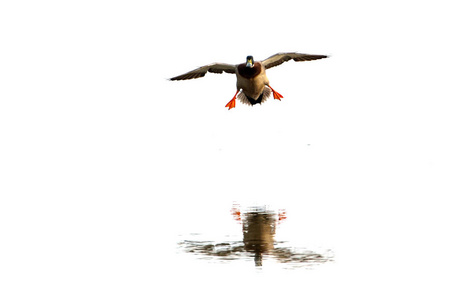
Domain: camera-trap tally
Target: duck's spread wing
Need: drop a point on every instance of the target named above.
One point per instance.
(200, 72)
(280, 58)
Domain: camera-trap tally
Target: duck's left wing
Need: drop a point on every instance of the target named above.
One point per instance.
(280, 58)
(200, 72)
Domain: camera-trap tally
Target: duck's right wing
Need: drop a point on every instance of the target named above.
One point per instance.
(280, 58)
(212, 68)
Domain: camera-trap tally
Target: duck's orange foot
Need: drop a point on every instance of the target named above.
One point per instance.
(232, 102)
(275, 94)
(236, 215)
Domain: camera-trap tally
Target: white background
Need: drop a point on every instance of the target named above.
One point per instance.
(103, 162)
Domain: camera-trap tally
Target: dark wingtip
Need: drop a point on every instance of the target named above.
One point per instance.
(320, 56)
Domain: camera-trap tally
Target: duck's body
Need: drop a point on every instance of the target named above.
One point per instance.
(251, 79)
(253, 82)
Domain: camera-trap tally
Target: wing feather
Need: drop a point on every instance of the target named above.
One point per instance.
(217, 68)
(280, 58)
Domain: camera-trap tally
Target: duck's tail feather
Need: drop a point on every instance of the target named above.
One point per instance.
(250, 101)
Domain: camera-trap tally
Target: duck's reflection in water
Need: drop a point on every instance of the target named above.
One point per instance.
(259, 228)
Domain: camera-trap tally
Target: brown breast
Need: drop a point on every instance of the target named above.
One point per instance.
(249, 73)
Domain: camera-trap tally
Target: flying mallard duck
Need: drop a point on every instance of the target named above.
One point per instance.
(252, 81)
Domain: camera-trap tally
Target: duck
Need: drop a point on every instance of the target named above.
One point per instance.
(252, 83)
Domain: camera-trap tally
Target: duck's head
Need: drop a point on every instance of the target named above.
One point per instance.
(250, 62)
